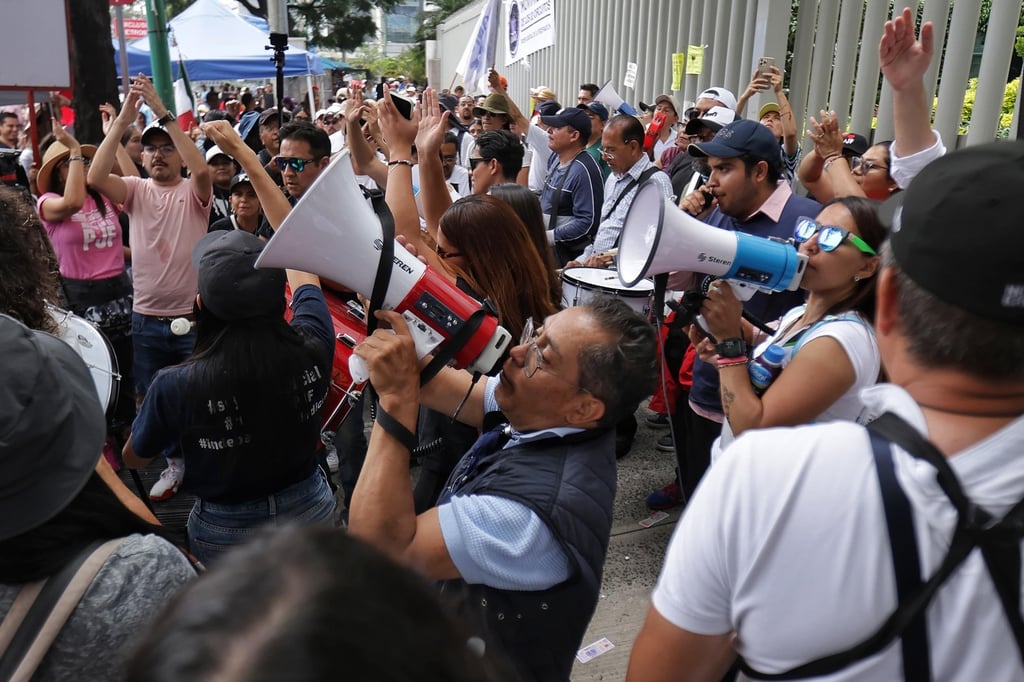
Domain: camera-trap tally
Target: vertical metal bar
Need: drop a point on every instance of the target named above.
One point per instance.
(824, 52)
(841, 92)
(803, 53)
(955, 68)
(866, 91)
(995, 62)
(719, 47)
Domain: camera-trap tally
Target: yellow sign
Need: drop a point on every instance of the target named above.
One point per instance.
(694, 59)
(678, 58)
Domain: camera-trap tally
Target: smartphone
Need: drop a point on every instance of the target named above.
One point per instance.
(764, 66)
(403, 104)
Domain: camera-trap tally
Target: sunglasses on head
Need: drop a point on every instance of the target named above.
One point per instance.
(298, 165)
(829, 236)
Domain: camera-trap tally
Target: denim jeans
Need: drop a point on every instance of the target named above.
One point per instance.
(156, 347)
(215, 528)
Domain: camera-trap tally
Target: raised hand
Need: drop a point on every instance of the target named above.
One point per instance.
(145, 89)
(828, 140)
(903, 57)
(399, 132)
(433, 125)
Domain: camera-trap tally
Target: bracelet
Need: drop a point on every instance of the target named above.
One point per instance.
(726, 362)
(76, 158)
(396, 429)
(830, 159)
(401, 162)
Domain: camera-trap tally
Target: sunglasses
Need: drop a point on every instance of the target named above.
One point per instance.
(445, 255)
(829, 236)
(298, 165)
(473, 162)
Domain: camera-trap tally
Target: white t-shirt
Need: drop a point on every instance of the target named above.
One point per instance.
(857, 338)
(537, 140)
(785, 543)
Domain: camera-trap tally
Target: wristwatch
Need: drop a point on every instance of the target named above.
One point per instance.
(731, 348)
(165, 119)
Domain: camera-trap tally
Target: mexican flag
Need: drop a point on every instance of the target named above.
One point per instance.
(184, 100)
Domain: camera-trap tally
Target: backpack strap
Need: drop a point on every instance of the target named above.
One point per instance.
(1000, 546)
(44, 609)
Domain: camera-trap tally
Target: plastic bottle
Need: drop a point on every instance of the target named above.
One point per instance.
(765, 367)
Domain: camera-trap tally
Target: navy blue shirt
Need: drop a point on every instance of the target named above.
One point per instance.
(223, 462)
(766, 307)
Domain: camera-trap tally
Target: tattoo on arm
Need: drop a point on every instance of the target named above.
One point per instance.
(727, 399)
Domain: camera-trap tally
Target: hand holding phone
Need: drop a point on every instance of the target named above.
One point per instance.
(764, 66)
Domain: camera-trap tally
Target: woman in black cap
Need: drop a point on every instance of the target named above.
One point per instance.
(59, 503)
(245, 407)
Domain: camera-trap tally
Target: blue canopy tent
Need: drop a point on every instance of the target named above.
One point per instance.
(218, 45)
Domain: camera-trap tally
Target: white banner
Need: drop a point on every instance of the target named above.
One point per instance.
(531, 27)
(480, 51)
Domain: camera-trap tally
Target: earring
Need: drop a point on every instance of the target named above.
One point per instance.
(856, 278)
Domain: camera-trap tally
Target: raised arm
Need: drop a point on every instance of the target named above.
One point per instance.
(758, 83)
(100, 176)
(364, 161)
(522, 123)
(56, 209)
(401, 134)
(904, 60)
(124, 162)
(828, 146)
(199, 171)
(272, 200)
(433, 188)
(790, 140)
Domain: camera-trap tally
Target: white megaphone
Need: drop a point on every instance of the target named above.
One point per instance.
(334, 232)
(610, 98)
(658, 237)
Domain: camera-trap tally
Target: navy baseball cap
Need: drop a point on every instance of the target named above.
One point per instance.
(573, 117)
(548, 108)
(596, 108)
(739, 138)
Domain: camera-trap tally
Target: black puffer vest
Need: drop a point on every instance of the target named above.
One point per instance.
(570, 484)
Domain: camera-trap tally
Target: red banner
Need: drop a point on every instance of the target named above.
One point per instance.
(133, 28)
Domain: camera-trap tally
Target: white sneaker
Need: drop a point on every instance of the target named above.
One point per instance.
(170, 479)
(332, 460)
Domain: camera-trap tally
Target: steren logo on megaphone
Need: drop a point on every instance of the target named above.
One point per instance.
(379, 245)
(657, 237)
(328, 232)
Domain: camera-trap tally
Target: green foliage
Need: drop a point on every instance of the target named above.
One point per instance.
(1006, 112)
(409, 63)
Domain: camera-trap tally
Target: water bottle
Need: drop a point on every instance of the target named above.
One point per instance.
(766, 367)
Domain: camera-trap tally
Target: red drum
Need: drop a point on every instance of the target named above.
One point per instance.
(349, 329)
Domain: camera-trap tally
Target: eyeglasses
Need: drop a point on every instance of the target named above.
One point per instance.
(165, 149)
(298, 165)
(534, 359)
(474, 162)
(606, 154)
(865, 166)
(691, 114)
(829, 236)
(445, 255)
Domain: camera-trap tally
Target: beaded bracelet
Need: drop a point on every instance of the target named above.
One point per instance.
(830, 159)
(76, 158)
(401, 162)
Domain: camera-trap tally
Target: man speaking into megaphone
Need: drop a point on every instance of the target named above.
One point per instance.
(745, 193)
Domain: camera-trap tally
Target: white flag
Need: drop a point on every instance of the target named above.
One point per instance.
(480, 51)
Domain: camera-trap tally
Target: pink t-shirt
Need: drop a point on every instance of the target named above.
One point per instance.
(88, 243)
(166, 222)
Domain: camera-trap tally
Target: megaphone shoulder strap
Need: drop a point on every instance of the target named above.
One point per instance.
(387, 256)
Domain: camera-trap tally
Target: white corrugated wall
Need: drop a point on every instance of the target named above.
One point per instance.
(835, 56)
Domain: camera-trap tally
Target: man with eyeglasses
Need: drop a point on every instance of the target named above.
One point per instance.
(304, 153)
(168, 214)
(520, 533)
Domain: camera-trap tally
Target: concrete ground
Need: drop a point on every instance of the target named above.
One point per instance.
(634, 556)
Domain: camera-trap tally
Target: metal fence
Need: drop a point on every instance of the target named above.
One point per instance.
(834, 60)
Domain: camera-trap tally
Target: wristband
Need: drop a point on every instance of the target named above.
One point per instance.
(165, 119)
(76, 158)
(727, 362)
(401, 162)
(396, 429)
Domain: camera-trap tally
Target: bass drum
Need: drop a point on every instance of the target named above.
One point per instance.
(91, 344)
(579, 285)
(349, 330)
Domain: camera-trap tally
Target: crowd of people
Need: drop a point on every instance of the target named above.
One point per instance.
(864, 491)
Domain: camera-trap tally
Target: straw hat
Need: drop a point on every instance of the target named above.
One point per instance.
(56, 153)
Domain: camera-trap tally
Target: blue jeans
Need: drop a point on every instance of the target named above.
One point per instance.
(215, 528)
(155, 347)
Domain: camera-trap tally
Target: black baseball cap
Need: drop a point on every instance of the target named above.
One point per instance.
(934, 229)
(230, 285)
(52, 427)
(855, 144)
(547, 108)
(573, 117)
(739, 138)
(240, 179)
